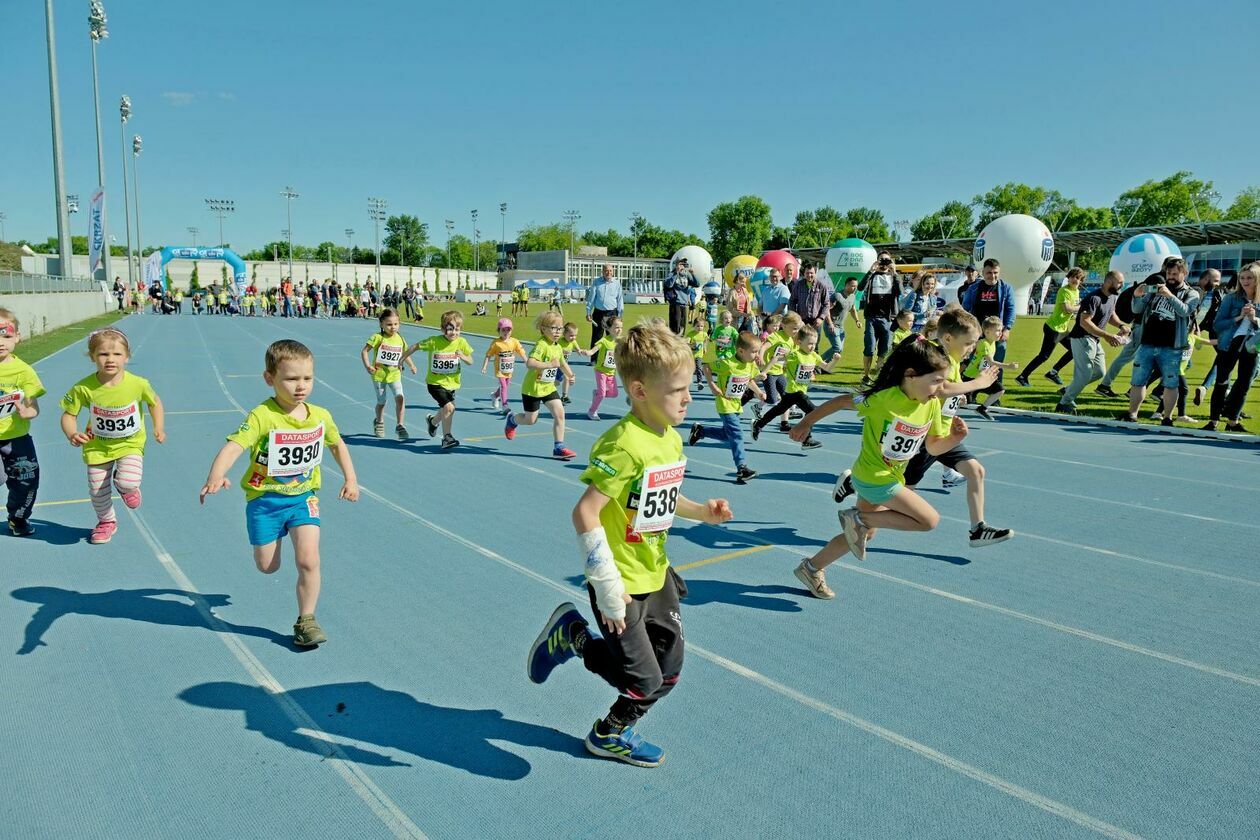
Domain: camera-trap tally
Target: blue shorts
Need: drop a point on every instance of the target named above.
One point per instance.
(876, 494)
(271, 515)
(1166, 360)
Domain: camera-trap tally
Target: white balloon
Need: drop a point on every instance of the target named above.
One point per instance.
(1143, 255)
(699, 260)
(1023, 246)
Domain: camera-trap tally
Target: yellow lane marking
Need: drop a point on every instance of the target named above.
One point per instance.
(69, 502)
(500, 435)
(728, 556)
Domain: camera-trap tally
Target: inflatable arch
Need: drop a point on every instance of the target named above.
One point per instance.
(183, 252)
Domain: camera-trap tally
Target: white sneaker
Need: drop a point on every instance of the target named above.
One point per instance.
(496, 401)
(952, 478)
(591, 415)
(795, 414)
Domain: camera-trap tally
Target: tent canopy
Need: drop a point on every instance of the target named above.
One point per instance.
(542, 284)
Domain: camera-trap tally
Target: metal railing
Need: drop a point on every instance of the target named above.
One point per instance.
(16, 282)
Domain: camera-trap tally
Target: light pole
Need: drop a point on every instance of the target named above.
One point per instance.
(376, 210)
(2, 218)
(194, 231)
(64, 251)
(825, 230)
(450, 226)
(572, 216)
(636, 222)
(136, 148)
(474, 223)
(288, 195)
(124, 111)
(221, 207)
(97, 31)
(350, 245)
(940, 222)
(503, 230)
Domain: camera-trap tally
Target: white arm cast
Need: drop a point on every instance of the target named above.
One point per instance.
(602, 574)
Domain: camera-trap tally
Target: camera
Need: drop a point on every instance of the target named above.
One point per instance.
(1156, 280)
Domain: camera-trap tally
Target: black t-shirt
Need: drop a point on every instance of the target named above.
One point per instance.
(882, 295)
(1124, 305)
(1159, 319)
(1097, 308)
(987, 302)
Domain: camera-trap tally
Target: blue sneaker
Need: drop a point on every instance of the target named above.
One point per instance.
(624, 745)
(509, 426)
(553, 645)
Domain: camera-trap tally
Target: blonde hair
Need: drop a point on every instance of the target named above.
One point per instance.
(8, 317)
(452, 316)
(98, 337)
(284, 350)
(992, 321)
(957, 321)
(649, 351)
(548, 320)
(792, 322)
(748, 341)
(1253, 267)
(805, 334)
(773, 322)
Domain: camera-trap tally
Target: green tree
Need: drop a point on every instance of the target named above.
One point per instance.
(1178, 198)
(868, 224)
(815, 229)
(550, 237)
(617, 244)
(953, 221)
(405, 239)
(461, 252)
(194, 282)
(738, 227)
(1017, 198)
(487, 255)
(1245, 206)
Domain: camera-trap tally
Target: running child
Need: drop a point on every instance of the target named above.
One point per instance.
(801, 366)
(776, 345)
(545, 363)
(712, 312)
(20, 390)
(724, 336)
(604, 352)
(985, 357)
(698, 340)
(736, 379)
(901, 412)
(503, 350)
(904, 327)
(569, 344)
(113, 442)
(382, 357)
(622, 521)
(446, 352)
(285, 438)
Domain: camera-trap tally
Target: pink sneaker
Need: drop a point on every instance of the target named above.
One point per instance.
(132, 499)
(103, 532)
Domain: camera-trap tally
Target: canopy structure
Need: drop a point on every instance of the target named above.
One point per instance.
(542, 284)
(1065, 242)
(155, 265)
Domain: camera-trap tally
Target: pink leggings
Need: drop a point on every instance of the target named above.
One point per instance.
(126, 473)
(503, 389)
(605, 386)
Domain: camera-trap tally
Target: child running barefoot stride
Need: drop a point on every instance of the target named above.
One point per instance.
(446, 352)
(604, 353)
(901, 412)
(20, 390)
(503, 350)
(545, 362)
(113, 442)
(383, 358)
(622, 520)
(285, 438)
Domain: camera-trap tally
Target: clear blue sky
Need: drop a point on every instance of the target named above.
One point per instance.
(663, 108)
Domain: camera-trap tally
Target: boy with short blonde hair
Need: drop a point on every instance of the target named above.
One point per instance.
(20, 390)
(447, 352)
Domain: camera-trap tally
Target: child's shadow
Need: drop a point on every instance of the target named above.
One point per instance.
(366, 713)
(134, 604)
(54, 533)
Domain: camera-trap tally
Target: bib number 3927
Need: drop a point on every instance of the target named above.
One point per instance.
(9, 404)
(659, 497)
(389, 355)
(903, 439)
(115, 422)
(294, 452)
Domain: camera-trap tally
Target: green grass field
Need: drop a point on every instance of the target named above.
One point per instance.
(30, 350)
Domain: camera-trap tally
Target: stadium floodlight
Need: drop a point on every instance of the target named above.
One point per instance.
(376, 211)
(288, 194)
(571, 216)
(221, 207)
(124, 113)
(96, 31)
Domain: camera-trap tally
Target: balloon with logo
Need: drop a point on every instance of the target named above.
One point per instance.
(780, 259)
(744, 264)
(849, 258)
(697, 258)
(1023, 246)
(1143, 255)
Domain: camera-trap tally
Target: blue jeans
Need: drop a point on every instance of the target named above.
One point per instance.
(1147, 359)
(877, 335)
(731, 433)
(836, 337)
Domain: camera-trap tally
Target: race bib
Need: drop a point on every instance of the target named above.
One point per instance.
(1186, 355)
(724, 341)
(9, 404)
(903, 439)
(120, 422)
(736, 386)
(389, 355)
(780, 353)
(659, 497)
(445, 363)
(804, 373)
(610, 359)
(986, 363)
(950, 405)
(294, 452)
(547, 374)
(507, 364)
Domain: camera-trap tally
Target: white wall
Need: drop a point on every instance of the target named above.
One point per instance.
(39, 313)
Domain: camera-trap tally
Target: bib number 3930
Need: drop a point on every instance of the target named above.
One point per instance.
(903, 439)
(9, 404)
(294, 452)
(115, 422)
(659, 497)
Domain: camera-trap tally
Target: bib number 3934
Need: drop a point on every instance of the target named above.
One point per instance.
(119, 422)
(294, 452)
(9, 404)
(659, 497)
(903, 439)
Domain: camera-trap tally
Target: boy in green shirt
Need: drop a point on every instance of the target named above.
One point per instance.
(985, 357)
(622, 520)
(698, 339)
(904, 327)
(801, 366)
(285, 438)
(736, 384)
(20, 390)
(446, 353)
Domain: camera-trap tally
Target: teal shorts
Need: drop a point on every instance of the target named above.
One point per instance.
(271, 515)
(876, 494)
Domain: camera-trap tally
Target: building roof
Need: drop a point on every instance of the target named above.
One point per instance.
(1192, 233)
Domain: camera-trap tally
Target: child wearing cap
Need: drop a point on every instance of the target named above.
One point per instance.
(503, 350)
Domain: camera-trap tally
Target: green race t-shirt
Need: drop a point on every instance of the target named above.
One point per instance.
(733, 378)
(1060, 319)
(299, 444)
(18, 383)
(698, 339)
(894, 428)
(605, 355)
(444, 359)
(801, 369)
(386, 354)
(114, 415)
(982, 358)
(724, 339)
(641, 473)
(776, 351)
(950, 405)
(539, 383)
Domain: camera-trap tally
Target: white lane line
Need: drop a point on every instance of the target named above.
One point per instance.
(1025, 795)
(206, 411)
(1087, 465)
(398, 823)
(1126, 439)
